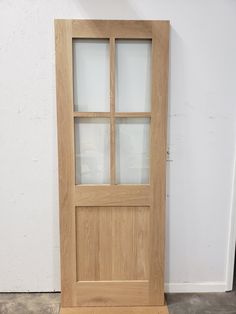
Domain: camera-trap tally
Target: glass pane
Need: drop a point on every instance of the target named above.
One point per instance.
(133, 75)
(92, 149)
(132, 150)
(91, 74)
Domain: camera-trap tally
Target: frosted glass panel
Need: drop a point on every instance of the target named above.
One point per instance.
(133, 75)
(91, 74)
(132, 150)
(92, 150)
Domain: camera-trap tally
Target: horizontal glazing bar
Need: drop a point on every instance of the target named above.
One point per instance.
(92, 114)
(133, 114)
(108, 114)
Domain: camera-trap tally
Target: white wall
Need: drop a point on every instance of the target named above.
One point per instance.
(201, 137)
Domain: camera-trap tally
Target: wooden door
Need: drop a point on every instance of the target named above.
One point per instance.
(112, 110)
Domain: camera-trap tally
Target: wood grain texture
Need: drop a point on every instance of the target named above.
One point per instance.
(133, 114)
(112, 195)
(113, 293)
(108, 114)
(118, 281)
(114, 28)
(66, 156)
(112, 243)
(160, 56)
(91, 114)
(116, 310)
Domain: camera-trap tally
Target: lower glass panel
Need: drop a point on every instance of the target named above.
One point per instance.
(132, 150)
(92, 149)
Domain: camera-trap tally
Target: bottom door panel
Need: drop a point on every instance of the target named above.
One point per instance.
(112, 256)
(112, 243)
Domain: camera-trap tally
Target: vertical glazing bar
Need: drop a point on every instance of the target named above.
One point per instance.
(112, 110)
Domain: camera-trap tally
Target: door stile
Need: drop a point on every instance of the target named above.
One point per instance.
(160, 46)
(65, 122)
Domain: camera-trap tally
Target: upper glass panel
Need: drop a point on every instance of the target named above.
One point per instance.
(132, 150)
(92, 139)
(91, 75)
(133, 75)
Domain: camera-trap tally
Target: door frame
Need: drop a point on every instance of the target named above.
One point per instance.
(231, 237)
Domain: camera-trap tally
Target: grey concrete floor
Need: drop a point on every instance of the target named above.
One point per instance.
(202, 303)
(191, 303)
(29, 303)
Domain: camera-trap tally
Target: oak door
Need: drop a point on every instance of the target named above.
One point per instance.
(112, 111)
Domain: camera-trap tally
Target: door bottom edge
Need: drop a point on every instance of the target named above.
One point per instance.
(116, 310)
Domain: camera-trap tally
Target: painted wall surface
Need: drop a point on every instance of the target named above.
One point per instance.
(202, 121)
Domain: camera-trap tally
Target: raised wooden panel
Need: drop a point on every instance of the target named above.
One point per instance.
(112, 243)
